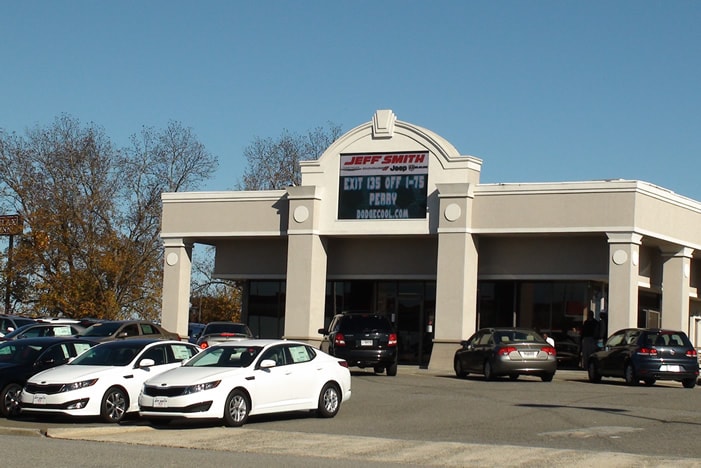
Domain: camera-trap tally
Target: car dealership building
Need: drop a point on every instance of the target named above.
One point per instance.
(393, 219)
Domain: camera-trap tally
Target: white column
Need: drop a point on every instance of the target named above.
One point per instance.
(624, 259)
(676, 287)
(176, 286)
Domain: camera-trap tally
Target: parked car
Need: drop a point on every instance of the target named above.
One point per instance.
(647, 354)
(495, 352)
(127, 329)
(233, 380)
(105, 380)
(20, 359)
(10, 323)
(193, 331)
(38, 329)
(219, 332)
(362, 340)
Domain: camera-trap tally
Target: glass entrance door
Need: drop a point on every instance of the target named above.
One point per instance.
(414, 330)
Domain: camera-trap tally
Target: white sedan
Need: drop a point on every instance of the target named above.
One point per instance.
(105, 380)
(233, 380)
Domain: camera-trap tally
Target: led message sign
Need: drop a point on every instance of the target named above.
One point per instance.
(383, 186)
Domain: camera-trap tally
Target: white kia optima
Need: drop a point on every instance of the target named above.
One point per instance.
(105, 380)
(231, 381)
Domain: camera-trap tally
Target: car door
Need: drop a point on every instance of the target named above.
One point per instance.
(611, 358)
(471, 355)
(285, 386)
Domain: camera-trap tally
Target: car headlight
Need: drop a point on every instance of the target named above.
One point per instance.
(77, 385)
(201, 387)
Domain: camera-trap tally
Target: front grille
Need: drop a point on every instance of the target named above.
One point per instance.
(153, 391)
(45, 389)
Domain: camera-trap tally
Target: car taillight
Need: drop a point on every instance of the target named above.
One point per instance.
(204, 345)
(343, 364)
(647, 351)
(392, 339)
(548, 349)
(339, 339)
(691, 353)
(506, 350)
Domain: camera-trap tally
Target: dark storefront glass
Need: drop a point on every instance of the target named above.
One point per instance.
(266, 308)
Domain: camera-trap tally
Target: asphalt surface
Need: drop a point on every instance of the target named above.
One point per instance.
(320, 449)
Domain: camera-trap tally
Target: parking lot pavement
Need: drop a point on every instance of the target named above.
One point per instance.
(362, 449)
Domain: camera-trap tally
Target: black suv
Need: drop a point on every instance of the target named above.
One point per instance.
(363, 340)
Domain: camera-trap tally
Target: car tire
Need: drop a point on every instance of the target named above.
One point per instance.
(547, 377)
(457, 367)
(236, 408)
(629, 375)
(9, 399)
(329, 401)
(649, 381)
(392, 369)
(593, 372)
(689, 383)
(488, 372)
(114, 405)
(379, 369)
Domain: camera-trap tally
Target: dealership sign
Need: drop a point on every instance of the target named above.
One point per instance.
(383, 186)
(10, 225)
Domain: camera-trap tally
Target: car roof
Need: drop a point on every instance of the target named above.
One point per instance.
(256, 342)
(49, 340)
(140, 342)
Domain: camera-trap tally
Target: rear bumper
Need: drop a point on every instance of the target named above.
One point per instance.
(367, 357)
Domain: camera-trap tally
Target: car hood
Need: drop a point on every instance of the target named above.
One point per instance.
(184, 376)
(70, 373)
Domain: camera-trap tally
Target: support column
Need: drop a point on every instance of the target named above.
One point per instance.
(676, 287)
(456, 279)
(624, 259)
(306, 268)
(177, 270)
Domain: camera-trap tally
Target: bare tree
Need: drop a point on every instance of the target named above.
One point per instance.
(273, 163)
(92, 214)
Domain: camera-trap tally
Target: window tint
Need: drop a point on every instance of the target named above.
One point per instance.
(616, 339)
(131, 329)
(277, 354)
(364, 324)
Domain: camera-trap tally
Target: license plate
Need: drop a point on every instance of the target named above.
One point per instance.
(160, 402)
(39, 399)
(670, 368)
(529, 354)
(365, 342)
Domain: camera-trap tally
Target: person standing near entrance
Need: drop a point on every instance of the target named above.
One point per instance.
(590, 328)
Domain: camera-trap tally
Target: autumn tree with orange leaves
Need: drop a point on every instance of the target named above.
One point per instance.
(91, 212)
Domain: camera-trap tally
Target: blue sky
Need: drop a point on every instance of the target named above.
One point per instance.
(542, 91)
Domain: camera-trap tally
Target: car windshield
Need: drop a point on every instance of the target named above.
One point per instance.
(236, 328)
(109, 354)
(19, 353)
(225, 356)
(102, 329)
(364, 323)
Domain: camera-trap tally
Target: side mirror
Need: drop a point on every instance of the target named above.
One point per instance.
(147, 363)
(323, 331)
(267, 363)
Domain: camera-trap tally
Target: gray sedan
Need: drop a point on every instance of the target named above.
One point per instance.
(497, 352)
